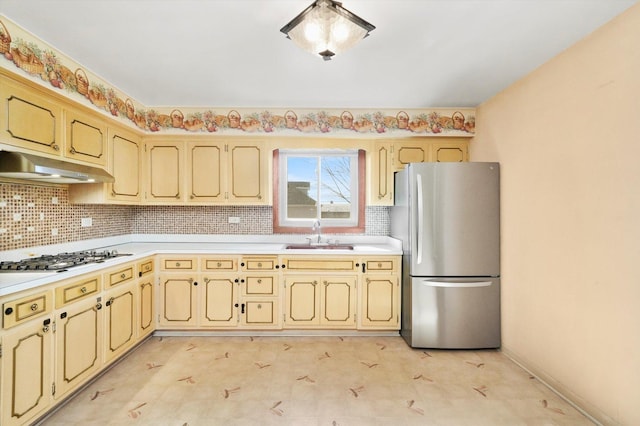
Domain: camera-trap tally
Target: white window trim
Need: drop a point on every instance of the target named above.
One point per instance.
(284, 221)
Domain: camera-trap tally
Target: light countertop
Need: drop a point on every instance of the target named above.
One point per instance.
(142, 245)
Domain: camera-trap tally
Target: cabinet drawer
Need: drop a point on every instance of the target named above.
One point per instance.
(178, 264)
(145, 267)
(258, 263)
(260, 286)
(77, 290)
(319, 264)
(120, 276)
(380, 265)
(219, 264)
(25, 308)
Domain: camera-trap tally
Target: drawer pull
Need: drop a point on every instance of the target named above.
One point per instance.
(83, 290)
(123, 275)
(177, 264)
(259, 264)
(34, 307)
(259, 281)
(8, 311)
(379, 265)
(218, 264)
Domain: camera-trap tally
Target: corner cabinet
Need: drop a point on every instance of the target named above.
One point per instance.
(125, 164)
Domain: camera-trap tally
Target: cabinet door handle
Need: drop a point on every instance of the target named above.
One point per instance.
(364, 267)
(110, 301)
(242, 309)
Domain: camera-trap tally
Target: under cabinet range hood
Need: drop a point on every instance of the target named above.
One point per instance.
(18, 165)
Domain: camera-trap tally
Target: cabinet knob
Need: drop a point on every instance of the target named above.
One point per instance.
(8, 311)
(177, 264)
(242, 264)
(206, 280)
(259, 281)
(218, 264)
(73, 150)
(34, 307)
(98, 306)
(83, 290)
(259, 264)
(195, 283)
(123, 276)
(45, 328)
(55, 146)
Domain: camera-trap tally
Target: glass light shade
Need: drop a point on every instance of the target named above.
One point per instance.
(326, 28)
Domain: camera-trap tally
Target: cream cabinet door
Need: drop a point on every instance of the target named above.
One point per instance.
(178, 298)
(206, 172)
(86, 138)
(338, 301)
(165, 164)
(120, 317)
(450, 151)
(381, 175)
(126, 163)
(379, 302)
(406, 152)
(78, 344)
(302, 304)
(247, 175)
(260, 313)
(29, 119)
(26, 372)
(146, 307)
(219, 301)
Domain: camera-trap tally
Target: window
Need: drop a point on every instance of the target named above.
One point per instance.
(325, 185)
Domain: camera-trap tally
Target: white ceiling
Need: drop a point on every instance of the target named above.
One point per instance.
(423, 53)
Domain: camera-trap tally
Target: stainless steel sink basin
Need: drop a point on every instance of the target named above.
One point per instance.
(319, 247)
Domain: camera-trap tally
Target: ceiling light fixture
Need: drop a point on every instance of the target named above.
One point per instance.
(326, 28)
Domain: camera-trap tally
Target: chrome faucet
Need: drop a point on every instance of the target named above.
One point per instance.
(318, 228)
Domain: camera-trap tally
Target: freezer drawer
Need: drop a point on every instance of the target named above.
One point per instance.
(453, 313)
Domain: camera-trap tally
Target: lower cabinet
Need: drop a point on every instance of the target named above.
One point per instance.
(78, 344)
(178, 300)
(320, 301)
(120, 318)
(26, 377)
(146, 307)
(219, 301)
(380, 302)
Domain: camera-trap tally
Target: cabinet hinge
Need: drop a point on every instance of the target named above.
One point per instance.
(284, 317)
(226, 147)
(53, 388)
(0, 351)
(53, 327)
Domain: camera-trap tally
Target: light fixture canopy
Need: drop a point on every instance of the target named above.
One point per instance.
(326, 28)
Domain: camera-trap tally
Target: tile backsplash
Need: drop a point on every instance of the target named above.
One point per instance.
(33, 215)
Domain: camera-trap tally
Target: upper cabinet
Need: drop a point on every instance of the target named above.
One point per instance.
(124, 152)
(85, 138)
(30, 119)
(389, 156)
(206, 171)
(33, 120)
(164, 172)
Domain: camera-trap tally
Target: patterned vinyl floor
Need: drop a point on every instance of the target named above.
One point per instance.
(313, 381)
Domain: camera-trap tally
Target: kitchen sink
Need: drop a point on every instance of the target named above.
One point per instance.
(319, 247)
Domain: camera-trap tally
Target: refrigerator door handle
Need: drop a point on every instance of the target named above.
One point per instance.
(457, 284)
(420, 225)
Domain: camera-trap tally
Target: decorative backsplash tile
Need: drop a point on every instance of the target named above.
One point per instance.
(33, 215)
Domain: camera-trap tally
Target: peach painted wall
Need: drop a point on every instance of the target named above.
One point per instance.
(568, 139)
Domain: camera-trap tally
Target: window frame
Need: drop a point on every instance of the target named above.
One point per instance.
(282, 228)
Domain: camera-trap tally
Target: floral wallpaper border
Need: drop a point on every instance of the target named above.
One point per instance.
(42, 63)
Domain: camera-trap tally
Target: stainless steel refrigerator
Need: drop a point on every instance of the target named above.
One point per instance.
(448, 218)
